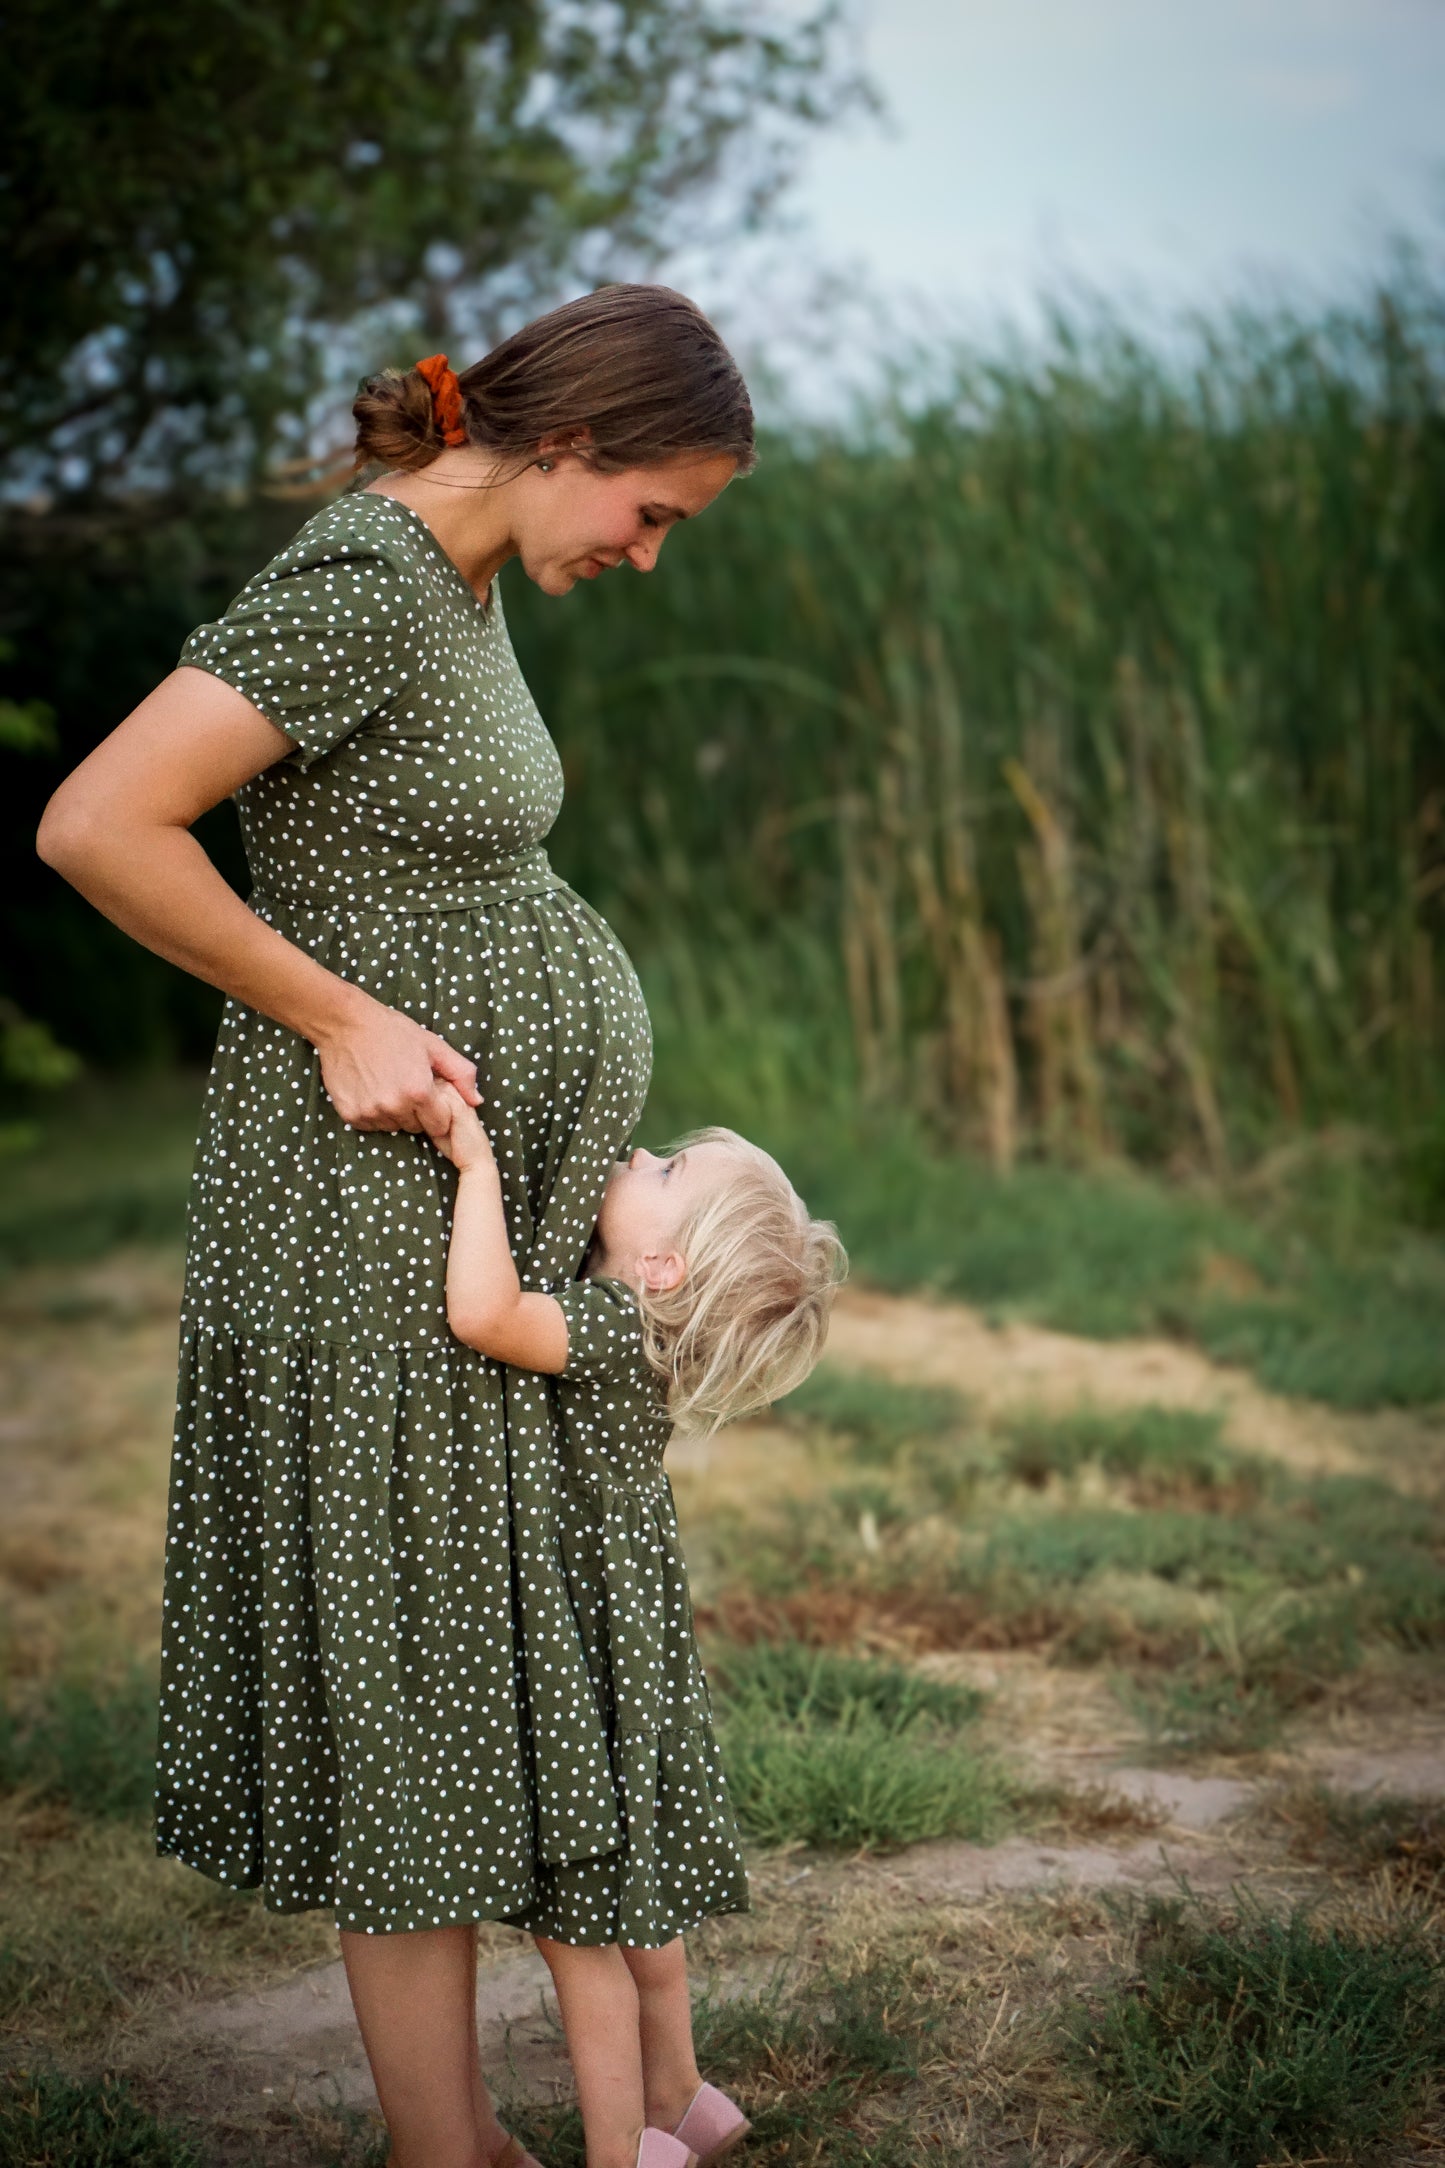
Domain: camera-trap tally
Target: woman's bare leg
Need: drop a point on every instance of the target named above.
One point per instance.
(415, 2001)
(664, 2012)
(598, 2002)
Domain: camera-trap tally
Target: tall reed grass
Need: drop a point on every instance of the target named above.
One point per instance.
(1057, 751)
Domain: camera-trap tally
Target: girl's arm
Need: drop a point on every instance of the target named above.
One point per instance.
(485, 1304)
(118, 829)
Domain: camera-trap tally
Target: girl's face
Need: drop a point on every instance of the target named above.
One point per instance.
(645, 1206)
(574, 524)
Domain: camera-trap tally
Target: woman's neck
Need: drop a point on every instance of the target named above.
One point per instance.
(466, 507)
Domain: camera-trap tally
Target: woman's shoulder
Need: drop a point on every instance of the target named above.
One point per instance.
(364, 526)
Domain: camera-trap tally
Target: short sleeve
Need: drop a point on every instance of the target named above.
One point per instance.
(318, 646)
(604, 1332)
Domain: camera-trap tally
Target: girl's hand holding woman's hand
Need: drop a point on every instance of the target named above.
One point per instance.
(465, 1143)
(382, 1070)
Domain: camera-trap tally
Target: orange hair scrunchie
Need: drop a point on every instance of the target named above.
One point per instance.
(446, 397)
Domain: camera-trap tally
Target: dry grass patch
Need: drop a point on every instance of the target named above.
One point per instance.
(97, 1935)
(1355, 1836)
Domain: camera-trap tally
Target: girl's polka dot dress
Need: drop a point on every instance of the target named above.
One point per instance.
(385, 1687)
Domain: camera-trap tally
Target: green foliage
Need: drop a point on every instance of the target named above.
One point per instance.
(859, 1785)
(1263, 2039)
(211, 212)
(1001, 792)
(89, 1742)
(111, 1164)
(48, 2120)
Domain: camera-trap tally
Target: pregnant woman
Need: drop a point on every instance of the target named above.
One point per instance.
(374, 1691)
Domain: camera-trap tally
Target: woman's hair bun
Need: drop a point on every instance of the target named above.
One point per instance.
(637, 374)
(396, 422)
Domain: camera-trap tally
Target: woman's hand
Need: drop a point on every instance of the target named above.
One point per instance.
(464, 1141)
(382, 1070)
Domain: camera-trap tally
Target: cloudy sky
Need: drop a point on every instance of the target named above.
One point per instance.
(1163, 149)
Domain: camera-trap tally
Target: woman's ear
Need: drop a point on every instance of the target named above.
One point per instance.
(577, 440)
(661, 1271)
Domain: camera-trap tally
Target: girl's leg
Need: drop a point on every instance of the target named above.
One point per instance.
(415, 2001)
(669, 2064)
(598, 2003)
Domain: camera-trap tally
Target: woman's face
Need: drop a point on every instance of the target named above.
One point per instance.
(573, 523)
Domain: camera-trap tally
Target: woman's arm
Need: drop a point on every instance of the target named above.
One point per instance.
(485, 1303)
(118, 829)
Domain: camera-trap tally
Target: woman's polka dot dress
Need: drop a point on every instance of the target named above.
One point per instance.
(379, 1689)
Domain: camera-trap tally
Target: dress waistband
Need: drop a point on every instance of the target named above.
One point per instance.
(379, 891)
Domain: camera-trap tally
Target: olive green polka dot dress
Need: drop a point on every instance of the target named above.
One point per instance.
(399, 1678)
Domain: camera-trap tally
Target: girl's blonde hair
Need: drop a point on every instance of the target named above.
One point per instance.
(748, 1320)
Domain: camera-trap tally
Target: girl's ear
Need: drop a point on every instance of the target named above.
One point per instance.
(662, 1270)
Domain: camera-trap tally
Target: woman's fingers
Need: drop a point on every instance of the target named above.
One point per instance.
(390, 1073)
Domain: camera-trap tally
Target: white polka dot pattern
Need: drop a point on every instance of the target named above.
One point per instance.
(386, 1682)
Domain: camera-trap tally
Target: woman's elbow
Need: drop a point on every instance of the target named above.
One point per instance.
(67, 832)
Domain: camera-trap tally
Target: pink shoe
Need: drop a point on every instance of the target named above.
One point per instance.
(712, 2126)
(659, 2149)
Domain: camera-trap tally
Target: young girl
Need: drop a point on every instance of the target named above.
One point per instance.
(706, 1293)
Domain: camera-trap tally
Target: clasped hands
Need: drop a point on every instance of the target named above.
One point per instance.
(384, 1071)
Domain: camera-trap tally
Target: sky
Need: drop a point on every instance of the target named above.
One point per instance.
(1166, 152)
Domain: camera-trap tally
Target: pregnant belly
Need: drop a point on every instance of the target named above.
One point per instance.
(300, 1225)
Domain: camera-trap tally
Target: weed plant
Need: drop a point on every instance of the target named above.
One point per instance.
(1264, 2038)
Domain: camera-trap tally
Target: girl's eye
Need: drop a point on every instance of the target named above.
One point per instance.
(649, 521)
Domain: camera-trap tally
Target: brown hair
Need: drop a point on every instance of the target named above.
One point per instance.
(638, 368)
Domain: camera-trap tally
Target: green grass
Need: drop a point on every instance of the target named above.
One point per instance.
(789, 1681)
(1264, 2038)
(878, 1416)
(1338, 1301)
(1226, 1593)
(1162, 1450)
(48, 2120)
(841, 1752)
(88, 1742)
